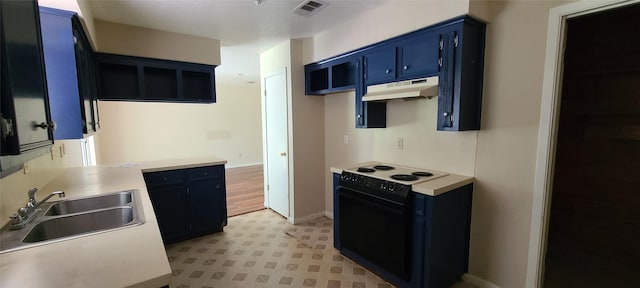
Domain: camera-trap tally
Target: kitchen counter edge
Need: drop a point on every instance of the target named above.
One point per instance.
(94, 261)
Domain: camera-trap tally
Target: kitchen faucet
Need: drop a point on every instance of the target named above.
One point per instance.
(25, 214)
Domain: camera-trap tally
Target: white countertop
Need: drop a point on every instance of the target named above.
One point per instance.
(129, 257)
(433, 187)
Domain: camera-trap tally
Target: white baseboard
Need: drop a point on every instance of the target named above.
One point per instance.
(303, 219)
(477, 281)
(328, 214)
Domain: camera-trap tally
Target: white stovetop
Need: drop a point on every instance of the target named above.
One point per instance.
(397, 169)
(434, 187)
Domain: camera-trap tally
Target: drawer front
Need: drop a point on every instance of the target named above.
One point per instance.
(209, 172)
(164, 178)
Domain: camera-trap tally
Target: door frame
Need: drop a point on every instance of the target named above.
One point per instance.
(548, 128)
(265, 158)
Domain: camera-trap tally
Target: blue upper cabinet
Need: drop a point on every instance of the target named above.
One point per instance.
(418, 56)
(411, 56)
(70, 82)
(452, 50)
(460, 77)
(380, 65)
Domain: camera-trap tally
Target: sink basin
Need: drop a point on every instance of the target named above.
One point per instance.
(75, 218)
(88, 204)
(80, 224)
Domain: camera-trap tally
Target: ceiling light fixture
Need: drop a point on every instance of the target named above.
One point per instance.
(258, 2)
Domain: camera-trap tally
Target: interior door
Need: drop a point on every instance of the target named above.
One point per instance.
(277, 152)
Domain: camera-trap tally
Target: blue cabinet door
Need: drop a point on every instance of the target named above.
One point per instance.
(460, 77)
(62, 81)
(207, 199)
(70, 79)
(208, 205)
(418, 56)
(380, 65)
(170, 207)
(446, 92)
(368, 114)
(336, 213)
(86, 79)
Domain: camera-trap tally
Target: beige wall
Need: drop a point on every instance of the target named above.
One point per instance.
(501, 156)
(413, 121)
(41, 171)
(505, 164)
(137, 41)
(82, 7)
(143, 131)
(306, 130)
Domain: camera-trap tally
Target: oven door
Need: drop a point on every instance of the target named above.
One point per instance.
(376, 230)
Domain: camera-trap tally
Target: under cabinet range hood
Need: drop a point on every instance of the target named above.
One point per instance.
(416, 88)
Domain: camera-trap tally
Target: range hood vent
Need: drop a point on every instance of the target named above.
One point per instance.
(309, 7)
(417, 88)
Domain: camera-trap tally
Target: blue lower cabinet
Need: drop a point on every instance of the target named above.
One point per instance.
(439, 239)
(189, 202)
(336, 212)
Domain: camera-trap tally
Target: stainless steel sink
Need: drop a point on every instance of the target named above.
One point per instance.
(80, 224)
(74, 218)
(88, 204)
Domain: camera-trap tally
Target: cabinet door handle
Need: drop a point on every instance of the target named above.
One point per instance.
(405, 67)
(283, 154)
(387, 71)
(42, 125)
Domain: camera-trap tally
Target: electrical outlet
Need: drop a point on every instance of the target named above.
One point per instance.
(400, 143)
(26, 168)
(346, 139)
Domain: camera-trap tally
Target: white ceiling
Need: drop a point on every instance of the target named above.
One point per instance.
(243, 28)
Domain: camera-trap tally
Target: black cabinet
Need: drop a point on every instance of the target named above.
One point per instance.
(460, 78)
(145, 79)
(337, 75)
(70, 80)
(25, 119)
(188, 202)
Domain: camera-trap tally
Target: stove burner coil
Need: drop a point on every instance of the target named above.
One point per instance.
(404, 177)
(366, 170)
(422, 173)
(383, 167)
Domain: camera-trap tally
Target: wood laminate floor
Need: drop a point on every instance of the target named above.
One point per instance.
(245, 189)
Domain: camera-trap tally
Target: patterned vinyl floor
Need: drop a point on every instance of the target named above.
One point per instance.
(261, 249)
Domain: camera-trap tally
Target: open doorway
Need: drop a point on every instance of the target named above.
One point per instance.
(594, 223)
